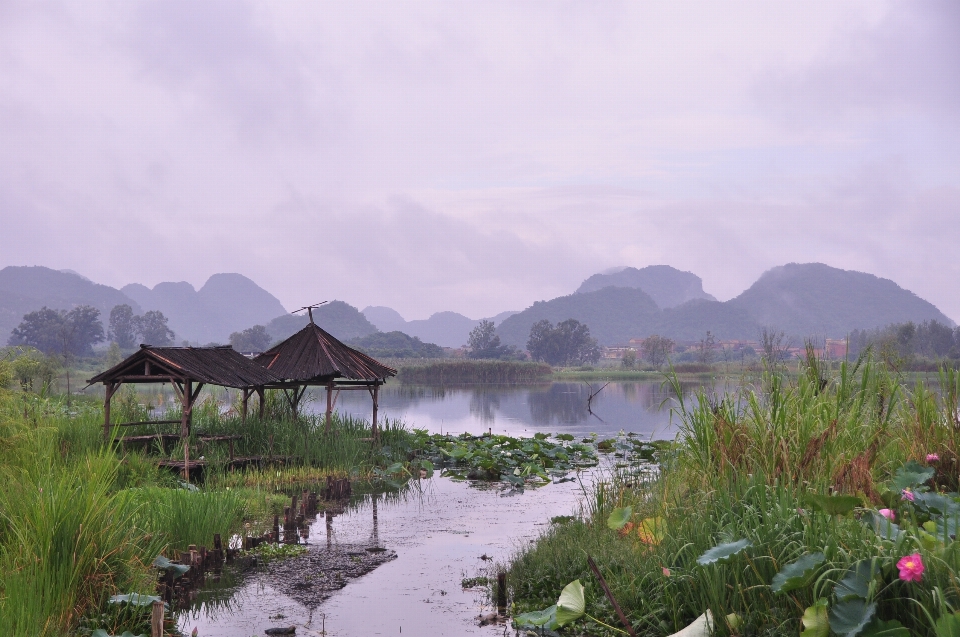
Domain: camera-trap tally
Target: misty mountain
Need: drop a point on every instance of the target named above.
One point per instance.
(804, 299)
(28, 288)
(614, 315)
(340, 319)
(667, 286)
(226, 303)
(385, 318)
(447, 329)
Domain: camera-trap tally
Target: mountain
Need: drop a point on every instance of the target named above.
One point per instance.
(340, 319)
(667, 286)
(614, 315)
(448, 329)
(28, 288)
(226, 303)
(386, 319)
(804, 299)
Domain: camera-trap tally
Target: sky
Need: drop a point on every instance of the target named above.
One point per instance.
(479, 156)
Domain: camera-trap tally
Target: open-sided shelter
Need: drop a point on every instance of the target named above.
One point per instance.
(314, 358)
(187, 369)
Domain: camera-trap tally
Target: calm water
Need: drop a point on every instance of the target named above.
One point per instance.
(519, 410)
(441, 528)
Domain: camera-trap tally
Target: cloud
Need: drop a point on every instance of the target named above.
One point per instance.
(431, 156)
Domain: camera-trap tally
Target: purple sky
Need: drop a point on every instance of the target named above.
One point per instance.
(479, 156)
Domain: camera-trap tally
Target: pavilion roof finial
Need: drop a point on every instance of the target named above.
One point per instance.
(309, 309)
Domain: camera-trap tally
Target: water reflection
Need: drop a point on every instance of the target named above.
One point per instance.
(638, 406)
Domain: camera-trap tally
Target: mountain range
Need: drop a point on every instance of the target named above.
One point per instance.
(801, 299)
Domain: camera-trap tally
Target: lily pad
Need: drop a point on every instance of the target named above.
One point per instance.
(880, 628)
(572, 603)
(881, 525)
(547, 618)
(797, 574)
(164, 564)
(723, 552)
(856, 583)
(135, 599)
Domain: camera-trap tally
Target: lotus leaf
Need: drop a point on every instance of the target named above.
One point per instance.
(850, 618)
(619, 518)
(834, 504)
(880, 628)
(797, 574)
(911, 475)
(723, 552)
(572, 603)
(815, 620)
(948, 626)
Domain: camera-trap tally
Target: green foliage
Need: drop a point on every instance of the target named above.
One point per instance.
(569, 343)
(252, 339)
(619, 518)
(723, 552)
(396, 345)
(797, 574)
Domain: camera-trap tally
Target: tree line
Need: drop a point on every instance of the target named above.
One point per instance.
(567, 343)
(74, 333)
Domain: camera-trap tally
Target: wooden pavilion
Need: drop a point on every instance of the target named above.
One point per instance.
(314, 358)
(187, 369)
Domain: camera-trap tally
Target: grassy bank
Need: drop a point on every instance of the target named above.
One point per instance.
(771, 512)
(81, 521)
(458, 372)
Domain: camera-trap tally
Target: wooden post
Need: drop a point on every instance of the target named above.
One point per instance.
(187, 402)
(376, 405)
(329, 405)
(156, 620)
(246, 399)
(109, 388)
(260, 393)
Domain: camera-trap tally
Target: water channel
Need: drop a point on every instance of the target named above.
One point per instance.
(442, 531)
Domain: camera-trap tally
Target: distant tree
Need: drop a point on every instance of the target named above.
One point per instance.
(153, 329)
(72, 333)
(114, 355)
(485, 343)
(706, 347)
(656, 348)
(42, 330)
(773, 345)
(84, 330)
(123, 326)
(252, 339)
(629, 359)
(567, 343)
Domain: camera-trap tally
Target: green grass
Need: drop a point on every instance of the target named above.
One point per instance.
(744, 467)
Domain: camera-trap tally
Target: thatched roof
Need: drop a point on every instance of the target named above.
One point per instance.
(313, 355)
(222, 366)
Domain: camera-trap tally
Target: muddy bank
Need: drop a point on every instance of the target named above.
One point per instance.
(311, 578)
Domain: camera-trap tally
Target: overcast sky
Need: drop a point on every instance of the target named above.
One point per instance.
(479, 156)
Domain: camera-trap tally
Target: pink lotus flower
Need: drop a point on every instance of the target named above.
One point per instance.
(666, 571)
(889, 514)
(907, 495)
(911, 568)
(932, 457)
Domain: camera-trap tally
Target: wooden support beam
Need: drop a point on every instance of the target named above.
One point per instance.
(376, 405)
(109, 388)
(260, 393)
(329, 405)
(246, 400)
(187, 402)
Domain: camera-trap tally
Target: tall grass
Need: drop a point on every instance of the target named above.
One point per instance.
(181, 517)
(743, 466)
(67, 538)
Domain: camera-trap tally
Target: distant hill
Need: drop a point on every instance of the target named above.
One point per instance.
(340, 319)
(386, 319)
(396, 345)
(28, 288)
(804, 299)
(667, 286)
(614, 315)
(448, 329)
(226, 303)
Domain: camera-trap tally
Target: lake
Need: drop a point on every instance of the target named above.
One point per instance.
(558, 407)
